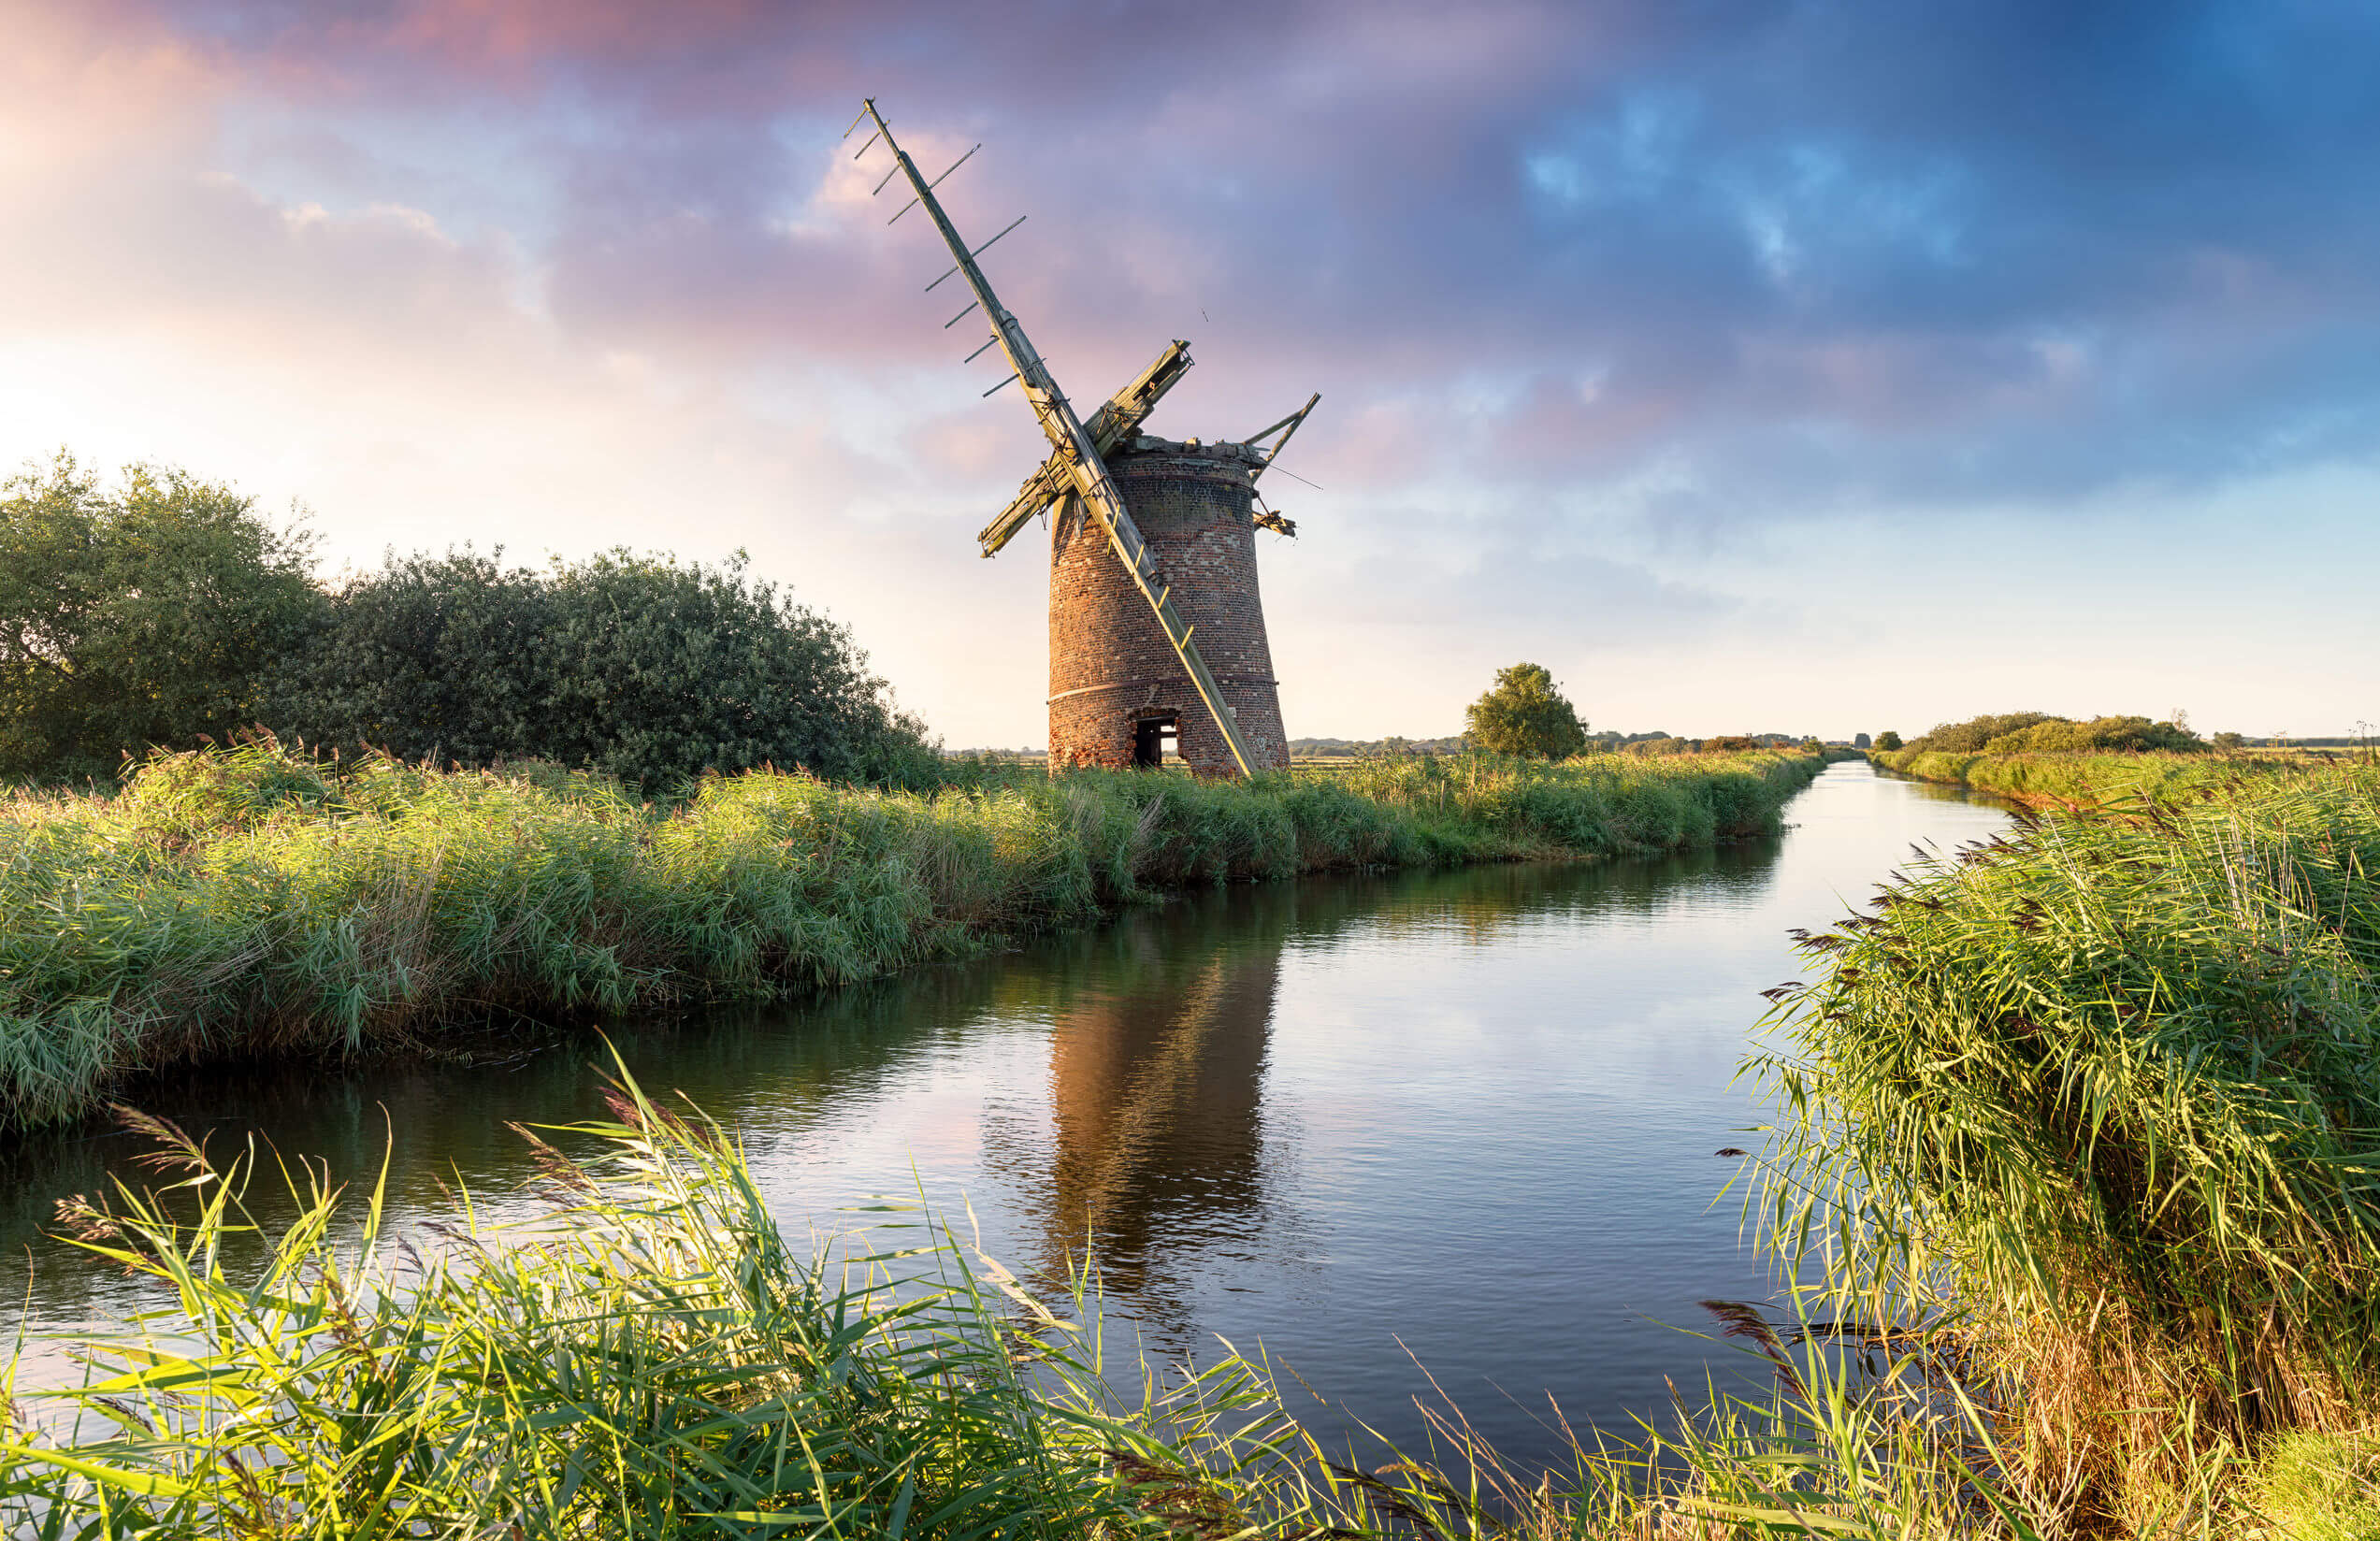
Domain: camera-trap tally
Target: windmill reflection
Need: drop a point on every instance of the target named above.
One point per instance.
(1157, 1153)
(1156, 1103)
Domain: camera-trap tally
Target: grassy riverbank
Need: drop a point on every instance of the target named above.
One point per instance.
(2091, 1114)
(249, 901)
(2086, 780)
(644, 1356)
(647, 1358)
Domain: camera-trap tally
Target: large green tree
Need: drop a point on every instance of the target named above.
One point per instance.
(137, 614)
(1525, 714)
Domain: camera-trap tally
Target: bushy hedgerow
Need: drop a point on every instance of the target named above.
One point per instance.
(2041, 732)
(641, 668)
(167, 611)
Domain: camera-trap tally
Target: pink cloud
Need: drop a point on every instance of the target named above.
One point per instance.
(512, 36)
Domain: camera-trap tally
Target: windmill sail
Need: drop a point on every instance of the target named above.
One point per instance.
(1112, 425)
(1073, 447)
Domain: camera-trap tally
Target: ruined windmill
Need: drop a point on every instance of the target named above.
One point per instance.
(1152, 551)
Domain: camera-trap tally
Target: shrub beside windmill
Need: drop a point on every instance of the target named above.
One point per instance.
(1156, 627)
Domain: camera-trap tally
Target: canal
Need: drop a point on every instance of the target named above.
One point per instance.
(1462, 1123)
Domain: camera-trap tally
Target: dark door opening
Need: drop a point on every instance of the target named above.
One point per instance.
(1151, 737)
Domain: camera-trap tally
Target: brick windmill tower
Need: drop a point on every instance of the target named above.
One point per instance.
(1152, 552)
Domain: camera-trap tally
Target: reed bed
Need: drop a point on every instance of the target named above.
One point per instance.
(644, 1355)
(1594, 805)
(249, 900)
(2087, 780)
(2087, 1118)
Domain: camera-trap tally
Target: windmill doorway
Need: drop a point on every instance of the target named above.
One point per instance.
(1151, 737)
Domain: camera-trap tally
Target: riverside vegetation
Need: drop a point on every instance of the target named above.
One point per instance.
(2037, 759)
(2086, 1123)
(2076, 1161)
(250, 900)
(2088, 780)
(168, 612)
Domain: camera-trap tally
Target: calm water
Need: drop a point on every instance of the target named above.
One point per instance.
(1463, 1121)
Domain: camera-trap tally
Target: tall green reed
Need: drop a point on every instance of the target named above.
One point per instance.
(642, 1354)
(645, 1357)
(2101, 1100)
(247, 900)
(2087, 780)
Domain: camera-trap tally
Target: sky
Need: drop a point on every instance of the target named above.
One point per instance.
(1755, 366)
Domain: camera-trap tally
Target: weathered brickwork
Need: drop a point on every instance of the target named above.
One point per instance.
(1109, 662)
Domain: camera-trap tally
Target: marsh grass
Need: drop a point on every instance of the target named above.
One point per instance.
(1599, 804)
(2075, 1176)
(250, 900)
(2097, 1102)
(2317, 1486)
(643, 1357)
(2090, 780)
(642, 1354)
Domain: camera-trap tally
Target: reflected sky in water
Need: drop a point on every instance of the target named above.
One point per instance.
(1462, 1120)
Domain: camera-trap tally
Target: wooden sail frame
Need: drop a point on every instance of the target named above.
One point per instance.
(1109, 426)
(1287, 428)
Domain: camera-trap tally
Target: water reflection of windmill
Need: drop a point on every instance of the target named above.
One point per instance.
(1158, 1104)
(1150, 1145)
(1152, 541)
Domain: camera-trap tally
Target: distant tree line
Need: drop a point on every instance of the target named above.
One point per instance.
(1451, 743)
(2041, 732)
(1596, 743)
(168, 610)
(1662, 744)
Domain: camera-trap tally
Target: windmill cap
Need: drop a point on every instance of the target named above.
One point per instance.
(1217, 450)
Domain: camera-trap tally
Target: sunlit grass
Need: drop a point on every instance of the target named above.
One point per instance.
(2099, 1100)
(647, 1358)
(249, 900)
(2086, 780)
(645, 1355)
